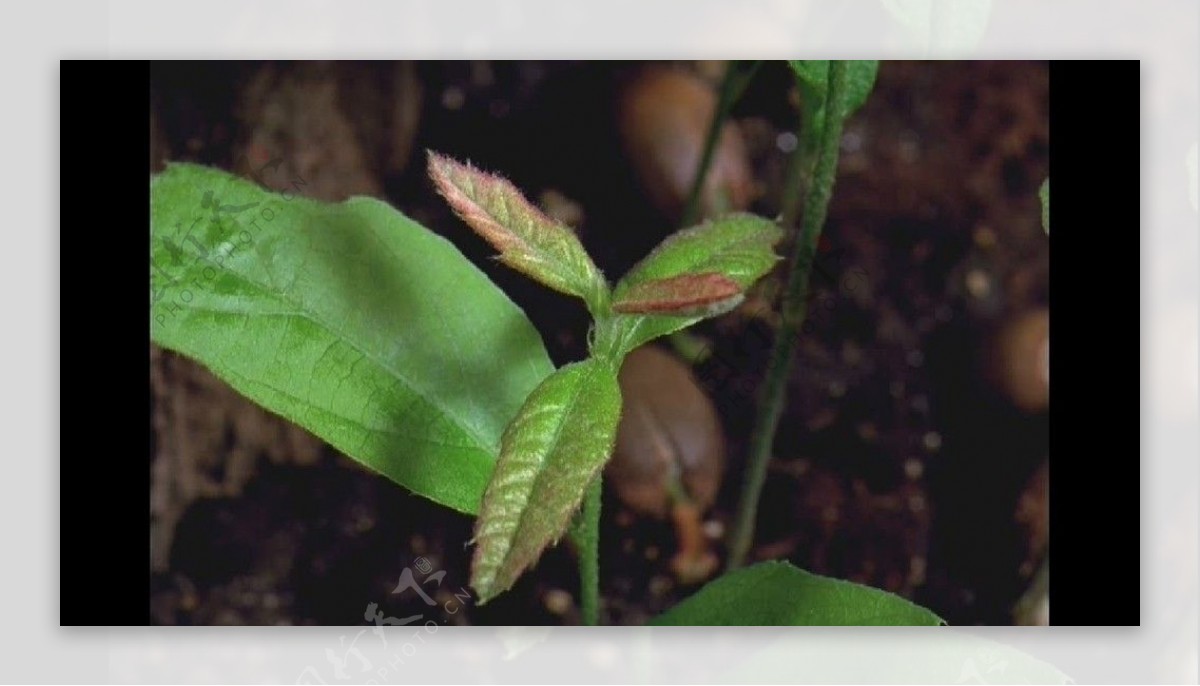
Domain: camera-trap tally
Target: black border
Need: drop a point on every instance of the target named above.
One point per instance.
(104, 572)
(1095, 323)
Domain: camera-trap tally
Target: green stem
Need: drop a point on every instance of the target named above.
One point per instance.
(795, 304)
(737, 77)
(589, 555)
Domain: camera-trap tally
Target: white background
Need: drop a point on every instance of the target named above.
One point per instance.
(1162, 33)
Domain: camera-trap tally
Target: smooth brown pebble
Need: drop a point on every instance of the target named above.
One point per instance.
(1019, 363)
(669, 430)
(558, 601)
(664, 115)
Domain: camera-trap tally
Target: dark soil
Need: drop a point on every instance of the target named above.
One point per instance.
(896, 464)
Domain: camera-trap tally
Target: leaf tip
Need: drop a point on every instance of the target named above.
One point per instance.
(489, 579)
(441, 167)
(436, 163)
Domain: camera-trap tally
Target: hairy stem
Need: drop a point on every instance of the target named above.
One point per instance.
(589, 555)
(794, 307)
(737, 77)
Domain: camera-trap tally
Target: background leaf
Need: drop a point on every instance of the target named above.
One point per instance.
(322, 313)
(940, 26)
(527, 239)
(779, 594)
(550, 453)
(813, 78)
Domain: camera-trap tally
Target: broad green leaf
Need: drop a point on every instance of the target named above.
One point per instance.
(779, 594)
(549, 455)
(813, 77)
(349, 319)
(738, 246)
(1044, 196)
(686, 294)
(527, 239)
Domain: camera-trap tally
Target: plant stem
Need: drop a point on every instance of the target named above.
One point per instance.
(733, 85)
(589, 555)
(795, 305)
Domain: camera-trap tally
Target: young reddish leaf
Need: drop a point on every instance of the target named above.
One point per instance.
(738, 247)
(684, 295)
(549, 454)
(527, 239)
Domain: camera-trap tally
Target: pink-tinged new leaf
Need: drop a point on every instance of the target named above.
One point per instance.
(739, 247)
(685, 295)
(526, 238)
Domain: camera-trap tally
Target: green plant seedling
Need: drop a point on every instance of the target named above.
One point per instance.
(380, 337)
(325, 314)
(562, 436)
